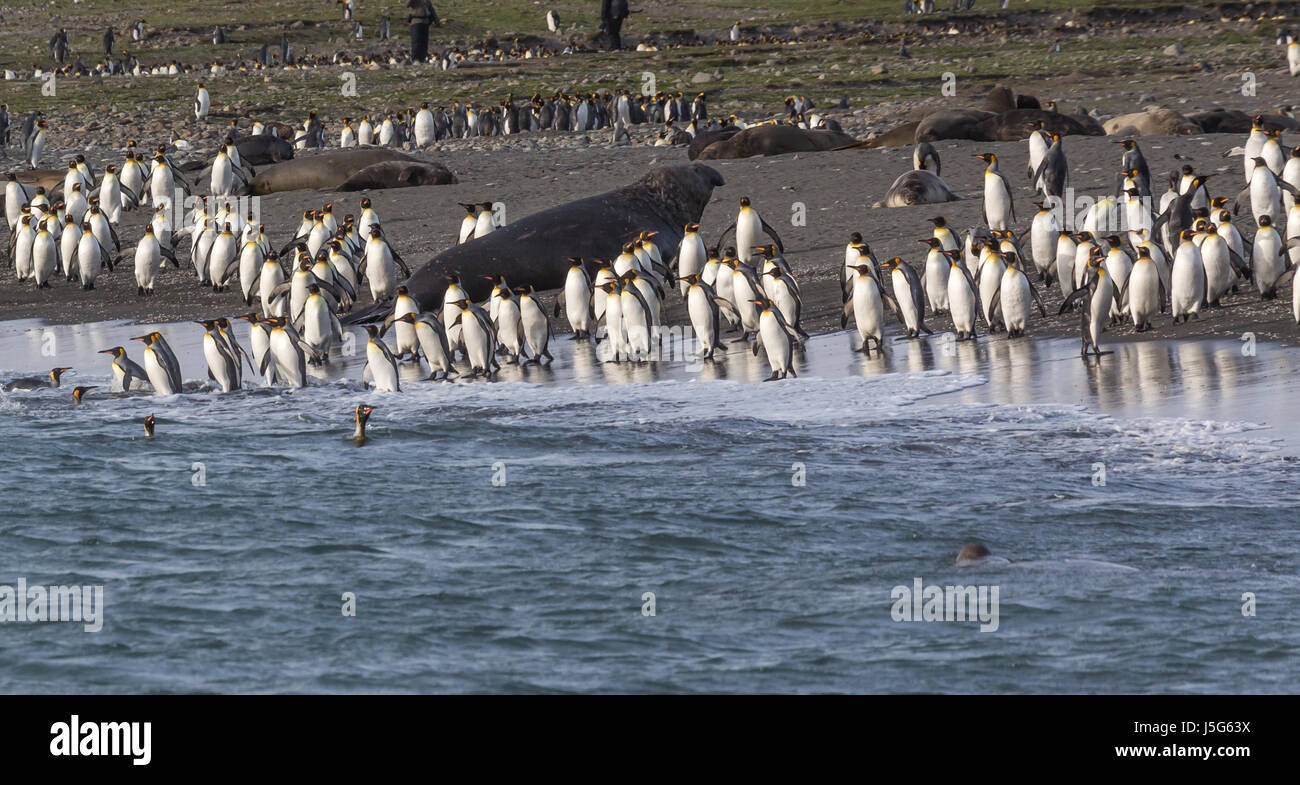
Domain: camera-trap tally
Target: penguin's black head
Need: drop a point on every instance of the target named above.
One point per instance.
(744, 201)
(78, 392)
(933, 242)
(55, 373)
(1187, 169)
(1264, 220)
(363, 412)
(855, 238)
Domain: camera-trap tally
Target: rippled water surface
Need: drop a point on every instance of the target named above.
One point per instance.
(770, 522)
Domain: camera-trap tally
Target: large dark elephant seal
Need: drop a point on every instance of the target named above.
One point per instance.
(1233, 121)
(705, 138)
(536, 250)
(949, 124)
(1004, 99)
(398, 174)
(262, 149)
(327, 170)
(774, 140)
(900, 136)
(1018, 124)
(917, 187)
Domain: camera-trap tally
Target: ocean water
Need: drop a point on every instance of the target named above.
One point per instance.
(507, 536)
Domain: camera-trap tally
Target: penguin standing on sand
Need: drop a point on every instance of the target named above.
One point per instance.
(963, 298)
(1015, 298)
(999, 210)
(704, 307)
(469, 223)
(1133, 159)
(202, 103)
(748, 226)
(1144, 289)
(1053, 174)
(866, 304)
(576, 300)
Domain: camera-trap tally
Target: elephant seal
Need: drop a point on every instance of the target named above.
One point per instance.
(49, 179)
(1233, 121)
(1018, 124)
(1154, 121)
(900, 136)
(262, 149)
(949, 124)
(1004, 99)
(917, 187)
(398, 174)
(774, 140)
(705, 138)
(977, 554)
(536, 250)
(327, 170)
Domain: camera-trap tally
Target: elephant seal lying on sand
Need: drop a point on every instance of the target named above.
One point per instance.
(1155, 121)
(774, 140)
(262, 149)
(536, 250)
(327, 170)
(398, 174)
(917, 187)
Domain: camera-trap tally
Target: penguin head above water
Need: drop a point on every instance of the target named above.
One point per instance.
(79, 392)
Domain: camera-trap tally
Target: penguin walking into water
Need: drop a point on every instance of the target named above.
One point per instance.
(999, 210)
(478, 337)
(777, 339)
(535, 326)
(37, 382)
(704, 307)
(160, 364)
(748, 226)
(223, 364)
(382, 262)
(866, 305)
(381, 367)
(1096, 298)
(908, 296)
(127, 374)
(576, 299)
(259, 341)
(432, 339)
(287, 351)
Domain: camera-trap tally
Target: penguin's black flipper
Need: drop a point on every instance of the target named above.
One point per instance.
(1038, 298)
(1076, 296)
(722, 238)
(772, 233)
(1238, 264)
(400, 262)
(559, 303)
(844, 315)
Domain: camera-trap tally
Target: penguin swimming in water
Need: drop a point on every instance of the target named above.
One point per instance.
(361, 416)
(149, 426)
(36, 382)
(80, 392)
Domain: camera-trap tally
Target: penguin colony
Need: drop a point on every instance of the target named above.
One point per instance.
(1133, 259)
